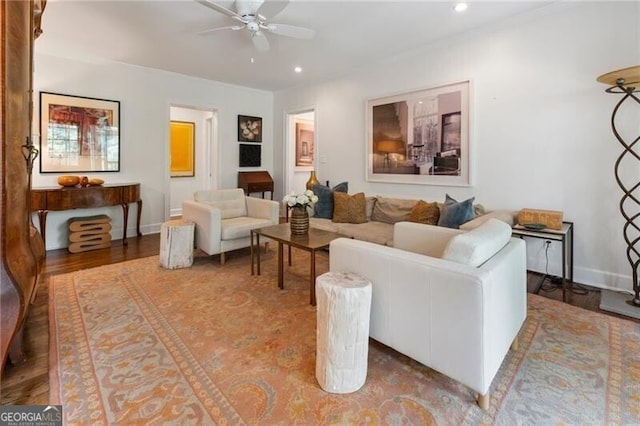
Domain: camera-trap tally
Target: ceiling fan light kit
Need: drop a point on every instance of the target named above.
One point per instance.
(247, 12)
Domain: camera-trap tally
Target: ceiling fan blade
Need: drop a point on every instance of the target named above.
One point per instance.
(215, 6)
(291, 31)
(231, 27)
(260, 41)
(271, 8)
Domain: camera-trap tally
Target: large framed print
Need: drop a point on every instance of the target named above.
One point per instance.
(420, 137)
(78, 134)
(182, 142)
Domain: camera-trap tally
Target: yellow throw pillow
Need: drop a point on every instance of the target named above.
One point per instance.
(349, 208)
(424, 212)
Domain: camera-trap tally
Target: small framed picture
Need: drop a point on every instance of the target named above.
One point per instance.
(249, 128)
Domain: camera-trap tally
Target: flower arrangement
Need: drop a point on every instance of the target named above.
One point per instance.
(304, 200)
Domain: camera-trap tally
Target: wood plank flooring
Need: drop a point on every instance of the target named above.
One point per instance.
(28, 383)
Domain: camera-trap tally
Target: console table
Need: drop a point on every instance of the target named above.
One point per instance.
(564, 236)
(44, 200)
(255, 182)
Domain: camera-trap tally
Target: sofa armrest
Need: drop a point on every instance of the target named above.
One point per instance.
(507, 216)
(429, 240)
(208, 223)
(264, 209)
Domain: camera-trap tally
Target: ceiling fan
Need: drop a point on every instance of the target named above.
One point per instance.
(252, 15)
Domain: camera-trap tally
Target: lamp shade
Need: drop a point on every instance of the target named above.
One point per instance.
(388, 145)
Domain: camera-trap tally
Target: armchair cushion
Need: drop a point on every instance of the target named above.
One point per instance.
(475, 247)
(240, 227)
(231, 202)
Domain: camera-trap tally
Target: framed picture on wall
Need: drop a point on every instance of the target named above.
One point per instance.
(250, 155)
(78, 134)
(420, 137)
(182, 142)
(305, 144)
(249, 128)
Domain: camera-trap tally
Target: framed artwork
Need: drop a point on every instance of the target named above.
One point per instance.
(249, 128)
(305, 143)
(78, 134)
(250, 155)
(182, 148)
(420, 137)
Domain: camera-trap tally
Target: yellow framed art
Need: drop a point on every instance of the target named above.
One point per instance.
(182, 152)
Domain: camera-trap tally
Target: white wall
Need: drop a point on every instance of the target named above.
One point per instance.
(145, 97)
(540, 136)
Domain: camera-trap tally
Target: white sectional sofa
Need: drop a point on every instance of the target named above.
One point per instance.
(450, 299)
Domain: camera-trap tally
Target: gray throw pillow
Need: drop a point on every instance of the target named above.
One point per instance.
(324, 205)
(456, 213)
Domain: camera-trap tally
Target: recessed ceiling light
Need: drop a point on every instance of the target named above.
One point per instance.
(298, 69)
(460, 7)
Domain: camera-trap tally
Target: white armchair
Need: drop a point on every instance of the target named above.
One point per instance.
(224, 219)
(452, 300)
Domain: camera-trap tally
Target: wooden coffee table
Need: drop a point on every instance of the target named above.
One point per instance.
(315, 240)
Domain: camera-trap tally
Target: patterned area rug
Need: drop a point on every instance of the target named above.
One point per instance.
(134, 343)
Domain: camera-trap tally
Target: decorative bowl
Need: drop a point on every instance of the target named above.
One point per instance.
(69, 181)
(96, 182)
(534, 226)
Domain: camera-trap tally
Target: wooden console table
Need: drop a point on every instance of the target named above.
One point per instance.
(44, 200)
(255, 182)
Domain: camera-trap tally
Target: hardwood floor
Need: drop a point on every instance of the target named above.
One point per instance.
(28, 383)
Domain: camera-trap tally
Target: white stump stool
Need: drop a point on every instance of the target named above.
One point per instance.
(342, 333)
(176, 244)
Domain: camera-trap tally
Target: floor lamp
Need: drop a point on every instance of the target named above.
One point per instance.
(626, 82)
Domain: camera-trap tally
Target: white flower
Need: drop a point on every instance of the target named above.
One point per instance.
(306, 199)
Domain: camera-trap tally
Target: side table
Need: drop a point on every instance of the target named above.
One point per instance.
(565, 237)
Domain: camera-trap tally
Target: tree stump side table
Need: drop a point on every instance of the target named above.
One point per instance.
(176, 244)
(342, 333)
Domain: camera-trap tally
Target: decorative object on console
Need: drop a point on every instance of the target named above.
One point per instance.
(250, 155)
(626, 82)
(312, 180)
(349, 208)
(84, 132)
(324, 207)
(404, 135)
(249, 128)
(89, 233)
(456, 213)
(300, 205)
(68, 181)
(548, 218)
(95, 181)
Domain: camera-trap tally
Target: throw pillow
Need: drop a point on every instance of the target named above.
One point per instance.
(456, 213)
(424, 212)
(392, 210)
(324, 206)
(349, 208)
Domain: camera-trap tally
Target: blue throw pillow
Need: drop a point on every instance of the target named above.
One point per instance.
(324, 205)
(456, 213)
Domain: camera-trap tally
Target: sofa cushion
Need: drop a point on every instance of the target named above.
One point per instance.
(456, 213)
(349, 208)
(324, 206)
(392, 210)
(424, 212)
(478, 245)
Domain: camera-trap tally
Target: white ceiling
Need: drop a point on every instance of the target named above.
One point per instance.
(162, 34)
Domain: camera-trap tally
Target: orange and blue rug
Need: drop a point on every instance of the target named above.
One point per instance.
(133, 343)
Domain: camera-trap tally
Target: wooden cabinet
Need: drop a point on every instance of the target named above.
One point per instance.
(255, 182)
(21, 248)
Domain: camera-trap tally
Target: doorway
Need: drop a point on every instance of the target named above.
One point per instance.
(301, 148)
(204, 171)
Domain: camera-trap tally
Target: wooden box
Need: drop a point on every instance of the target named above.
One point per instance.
(550, 218)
